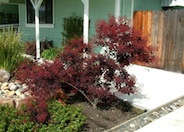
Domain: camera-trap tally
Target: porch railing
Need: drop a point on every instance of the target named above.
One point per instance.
(15, 26)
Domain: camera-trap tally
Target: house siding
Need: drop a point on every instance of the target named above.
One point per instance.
(98, 10)
(147, 5)
(65, 9)
(62, 9)
(126, 8)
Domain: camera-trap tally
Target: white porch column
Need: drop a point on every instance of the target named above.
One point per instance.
(132, 10)
(86, 21)
(36, 4)
(117, 12)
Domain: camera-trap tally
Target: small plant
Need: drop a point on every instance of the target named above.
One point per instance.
(30, 47)
(11, 120)
(62, 119)
(11, 49)
(51, 53)
(72, 28)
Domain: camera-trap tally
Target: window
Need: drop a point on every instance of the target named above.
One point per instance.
(9, 14)
(45, 12)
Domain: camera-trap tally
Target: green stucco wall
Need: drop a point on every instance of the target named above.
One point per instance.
(99, 9)
(126, 8)
(63, 9)
(147, 5)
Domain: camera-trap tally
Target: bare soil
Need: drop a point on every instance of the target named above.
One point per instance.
(105, 116)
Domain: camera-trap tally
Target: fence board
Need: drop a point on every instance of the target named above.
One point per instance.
(165, 32)
(181, 22)
(177, 44)
(160, 41)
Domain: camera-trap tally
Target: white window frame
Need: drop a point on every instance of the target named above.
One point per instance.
(32, 25)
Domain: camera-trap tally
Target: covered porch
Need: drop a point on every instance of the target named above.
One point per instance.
(88, 9)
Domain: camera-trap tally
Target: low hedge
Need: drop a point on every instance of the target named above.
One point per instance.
(62, 119)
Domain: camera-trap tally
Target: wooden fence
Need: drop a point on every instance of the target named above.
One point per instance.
(165, 32)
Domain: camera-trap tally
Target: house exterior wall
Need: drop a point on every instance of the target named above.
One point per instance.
(99, 9)
(126, 8)
(63, 9)
(147, 5)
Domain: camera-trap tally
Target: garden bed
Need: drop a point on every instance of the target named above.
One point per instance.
(105, 117)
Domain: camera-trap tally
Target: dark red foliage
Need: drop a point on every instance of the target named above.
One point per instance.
(42, 80)
(37, 109)
(121, 38)
(97, 76)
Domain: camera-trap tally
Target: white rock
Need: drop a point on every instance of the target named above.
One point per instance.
(19, 86)
(25, 87)
(132, 125)
(21, 90)
(173, 107)
(4, 75)
(13, 87)
(4, 85)
(27, 93)
(5, 88)
(22, 96)
(11, 93)
(17, 93)
(11, 84)
(5, 91)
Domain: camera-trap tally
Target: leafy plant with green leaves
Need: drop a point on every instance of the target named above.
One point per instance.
(11, 120)
(62, 119)
(72, 28)
(51, 53)
(11, 49)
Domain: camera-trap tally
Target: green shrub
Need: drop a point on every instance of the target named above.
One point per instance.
(51, 53)
(62, 119)
(13, 121)
(72, 28)
(11, 49)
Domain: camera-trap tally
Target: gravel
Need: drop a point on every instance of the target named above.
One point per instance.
(148, 117)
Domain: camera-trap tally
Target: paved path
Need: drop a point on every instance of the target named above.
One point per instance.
(157, 87)
(172, 122)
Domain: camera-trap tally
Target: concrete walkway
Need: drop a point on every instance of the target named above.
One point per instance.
(157, 87)
(172, 122)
